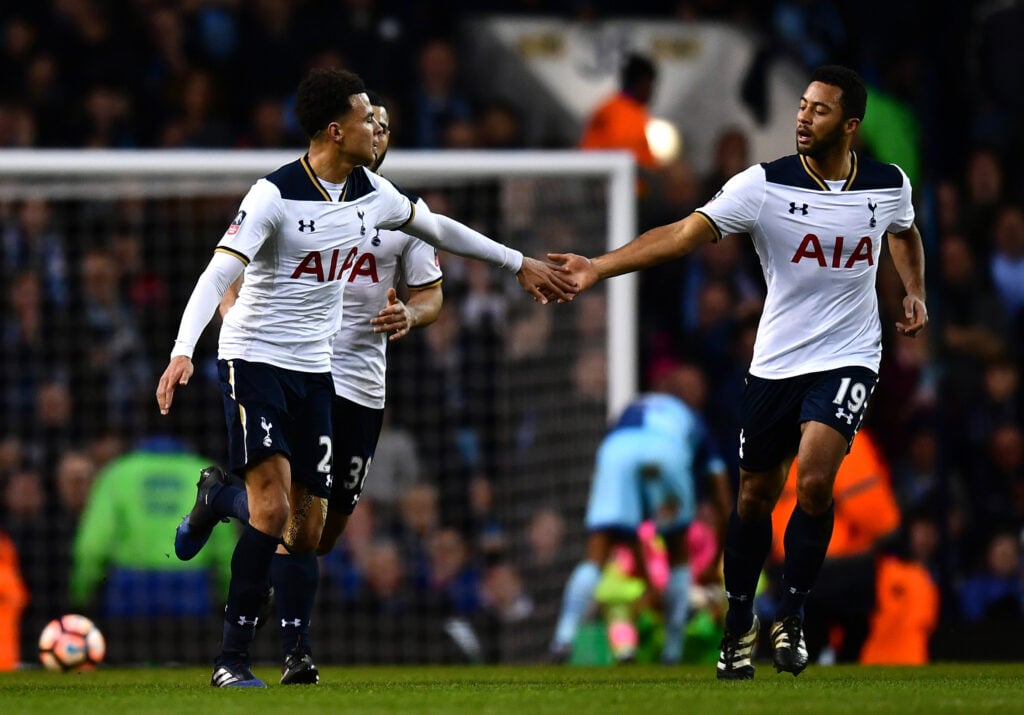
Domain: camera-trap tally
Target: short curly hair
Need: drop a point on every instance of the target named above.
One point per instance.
(855, 95)
(323, 97)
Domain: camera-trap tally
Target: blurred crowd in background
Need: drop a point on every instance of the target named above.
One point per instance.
(90, 306)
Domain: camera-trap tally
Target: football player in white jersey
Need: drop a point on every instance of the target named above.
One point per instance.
(292, 235)
(373, 315)
(817, 219)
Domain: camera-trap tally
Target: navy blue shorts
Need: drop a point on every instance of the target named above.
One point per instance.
(773, 410)
(356, 431)
(270, 410)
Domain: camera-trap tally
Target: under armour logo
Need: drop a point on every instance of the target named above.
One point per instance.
(793, 208)
(742, 440)
(329, 481)
(266, 428)
(842, 414)
(243, 621)
(311, 225)
(872, 207)
(294, 623)
(376, 238)
(362, 226)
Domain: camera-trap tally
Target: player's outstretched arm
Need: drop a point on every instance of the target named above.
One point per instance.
(539, 279)
(398, 317)
(907, 250)
(650, 248)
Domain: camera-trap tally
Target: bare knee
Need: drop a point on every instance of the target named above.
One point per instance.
(758, 493)
(814, 491)
(266, 484)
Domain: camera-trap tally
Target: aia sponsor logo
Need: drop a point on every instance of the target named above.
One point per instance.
(813, 249)
(236, 223)
(332, 267)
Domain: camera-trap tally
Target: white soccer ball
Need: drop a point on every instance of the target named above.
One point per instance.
(71, 642)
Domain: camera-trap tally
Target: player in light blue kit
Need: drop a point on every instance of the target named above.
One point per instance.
(647, 468)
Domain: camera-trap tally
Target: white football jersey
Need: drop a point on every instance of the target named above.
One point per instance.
(295, 238)
(360, 355)
(819, 244)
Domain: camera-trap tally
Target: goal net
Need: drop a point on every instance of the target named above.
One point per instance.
(472, 515)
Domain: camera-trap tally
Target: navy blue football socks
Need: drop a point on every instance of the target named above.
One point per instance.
(747, 543)
(250, 572)
(230, 501)
(294, 578)
(807, 539)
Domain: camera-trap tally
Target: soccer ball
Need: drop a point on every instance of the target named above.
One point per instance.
(71, 642)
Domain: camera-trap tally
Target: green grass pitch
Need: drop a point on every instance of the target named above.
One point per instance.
(530, 690)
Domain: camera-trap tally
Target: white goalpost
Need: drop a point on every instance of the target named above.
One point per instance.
(500, 391)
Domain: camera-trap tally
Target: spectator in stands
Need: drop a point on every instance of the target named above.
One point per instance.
(499, 126)
(975, 323)
(48, 98)
(997, 477)
(999, 401)
(453, 574)
(115, 371)
(419, 520)
(620, 121)
(198, 123)
(27, 353)
(1007, 262)
(19, 41)
(438, 100)
(107, 121)
(995, 593)
(17, 126)
(429, 398)
(33, 242)
(391, 621)
(268, 127)
(144, 290)
(922, 478)
(731, 156)
(984, 192)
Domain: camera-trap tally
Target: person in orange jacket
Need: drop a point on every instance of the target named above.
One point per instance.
(905, 616)
(866, 514)
(620, 122)
(13, 599)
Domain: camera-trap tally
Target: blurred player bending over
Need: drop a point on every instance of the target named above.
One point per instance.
(291, 236)
(817, 219)
(646, 469)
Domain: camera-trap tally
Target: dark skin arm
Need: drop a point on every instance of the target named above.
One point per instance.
(907, 251)
(650, 248)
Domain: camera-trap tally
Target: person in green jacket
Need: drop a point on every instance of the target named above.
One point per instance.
(121, 568)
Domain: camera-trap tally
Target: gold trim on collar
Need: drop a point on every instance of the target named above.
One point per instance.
(853, 171)
(312, 177)
(821, 181)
